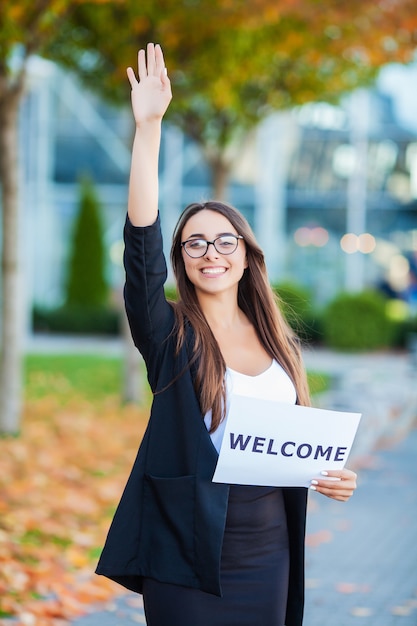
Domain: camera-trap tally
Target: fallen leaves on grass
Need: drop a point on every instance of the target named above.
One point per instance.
(59, 484)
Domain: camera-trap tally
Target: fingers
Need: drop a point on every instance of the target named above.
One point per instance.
(336, 484)
(334, 491)
(150, 63)
(131, 76)
(154, 58)
(160, 69)
(142, 71)
(150, 56)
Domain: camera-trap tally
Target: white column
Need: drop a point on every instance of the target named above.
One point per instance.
(39, 221)
(357, 186)
(276, 136)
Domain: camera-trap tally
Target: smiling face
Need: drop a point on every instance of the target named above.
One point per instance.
(214, 272)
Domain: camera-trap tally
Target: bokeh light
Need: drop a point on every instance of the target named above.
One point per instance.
(366, 243)
(316, 236)
(351, 243)
(398, 271)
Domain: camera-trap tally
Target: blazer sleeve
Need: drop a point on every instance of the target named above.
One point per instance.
(151, 318)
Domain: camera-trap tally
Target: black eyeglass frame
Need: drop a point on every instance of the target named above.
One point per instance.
(213, 243)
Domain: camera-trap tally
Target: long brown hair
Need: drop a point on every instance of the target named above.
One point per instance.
(255, 298)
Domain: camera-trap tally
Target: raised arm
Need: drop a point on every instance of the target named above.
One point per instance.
(151, 96)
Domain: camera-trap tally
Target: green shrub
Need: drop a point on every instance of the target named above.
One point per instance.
(85, 309)
(89, 320)
(86, 283)
(405, 324)
(357, 322)
(405, 332)
(296, 306)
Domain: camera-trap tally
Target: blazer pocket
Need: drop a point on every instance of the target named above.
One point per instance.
(170, 514)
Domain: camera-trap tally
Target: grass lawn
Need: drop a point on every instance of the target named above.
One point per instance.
(94, 377)
(89, 376)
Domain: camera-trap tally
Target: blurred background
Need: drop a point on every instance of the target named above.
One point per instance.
(313, 138)
(301, 113)
(325, 223)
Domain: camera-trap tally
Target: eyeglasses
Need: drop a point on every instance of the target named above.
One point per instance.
(225, 244)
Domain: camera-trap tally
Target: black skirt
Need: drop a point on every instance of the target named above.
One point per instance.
(254, 570)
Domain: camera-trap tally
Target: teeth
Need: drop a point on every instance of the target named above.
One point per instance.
(213, 270)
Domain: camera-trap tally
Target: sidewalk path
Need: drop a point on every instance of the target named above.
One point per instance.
(361, 565)
(361, 556)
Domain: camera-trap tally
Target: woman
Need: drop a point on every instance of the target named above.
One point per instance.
(203, 553)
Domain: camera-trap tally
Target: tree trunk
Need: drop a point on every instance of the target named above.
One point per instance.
(11, 327)
(220, 171)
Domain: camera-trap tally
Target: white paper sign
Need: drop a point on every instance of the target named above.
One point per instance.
(274, 444)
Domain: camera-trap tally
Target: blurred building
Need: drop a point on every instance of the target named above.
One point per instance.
(353, 174)
(330, 191)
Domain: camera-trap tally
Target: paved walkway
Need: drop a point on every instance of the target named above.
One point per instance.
(362, 556)
(361, 562)
(361, 565)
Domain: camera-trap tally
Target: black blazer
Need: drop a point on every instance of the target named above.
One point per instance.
(170, 521)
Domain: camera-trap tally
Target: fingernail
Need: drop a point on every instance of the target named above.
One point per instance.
(313, 488)
(324, 473)
(314, 482)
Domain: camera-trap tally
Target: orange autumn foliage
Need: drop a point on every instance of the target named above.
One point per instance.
(59, 484)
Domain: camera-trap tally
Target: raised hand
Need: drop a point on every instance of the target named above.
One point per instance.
(151, 95)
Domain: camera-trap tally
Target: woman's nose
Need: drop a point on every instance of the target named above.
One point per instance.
(211, 250)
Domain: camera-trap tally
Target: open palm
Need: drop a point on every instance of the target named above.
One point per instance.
(151, 95)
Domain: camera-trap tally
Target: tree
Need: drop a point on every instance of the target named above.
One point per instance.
(232, 63)
(26, 26)
(21, 23)
(287, 53)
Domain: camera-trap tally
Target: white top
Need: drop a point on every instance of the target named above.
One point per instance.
(272, 384)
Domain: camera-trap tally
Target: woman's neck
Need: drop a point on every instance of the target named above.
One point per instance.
(221, 311)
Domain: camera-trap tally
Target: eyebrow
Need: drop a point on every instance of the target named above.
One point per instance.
(202, 236)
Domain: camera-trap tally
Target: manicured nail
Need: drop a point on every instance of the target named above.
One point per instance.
(313, 488)
(333, 478)
(314, 482)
